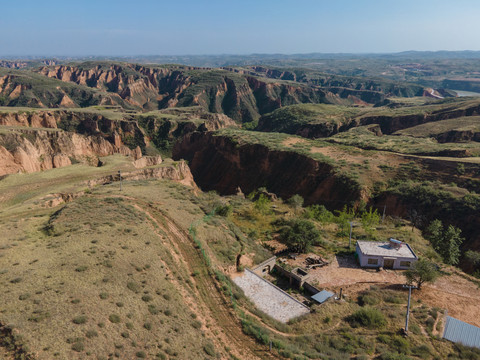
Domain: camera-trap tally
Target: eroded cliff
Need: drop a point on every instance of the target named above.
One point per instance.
(219, 163)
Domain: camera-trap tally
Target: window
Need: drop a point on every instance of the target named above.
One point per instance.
(405, 263)
(372, 261)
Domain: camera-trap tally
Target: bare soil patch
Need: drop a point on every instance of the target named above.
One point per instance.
(451, 292)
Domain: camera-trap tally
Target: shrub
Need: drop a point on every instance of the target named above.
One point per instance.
(147, 298)
(319, 213)
(300, 235)
(78, 346)
(114, 318)
(393, 356)
(91, 334)
(370, 318)
(423, 351)
(209, 349)
(197, 324)
(133, 286)
(224, 210)
(367, 299)
(81, 319)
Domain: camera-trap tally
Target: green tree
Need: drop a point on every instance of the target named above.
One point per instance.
(452, 240)
(300, 235)
(434, 233)
(262, 204)
(296, 201)
(319, 213)
(343, 218)
(473, 257)
(445, 242)
(370, 218)
(421, 272)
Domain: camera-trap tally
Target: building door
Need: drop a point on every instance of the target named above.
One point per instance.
(388, 263)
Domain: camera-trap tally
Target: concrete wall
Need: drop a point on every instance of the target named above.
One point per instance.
(310, 288)
(265, 267)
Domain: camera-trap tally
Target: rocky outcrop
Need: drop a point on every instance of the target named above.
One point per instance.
(147, 161)
(219, 163)
(36, 119)
(373, 89)
(26, 89)
(31, 151)
(178, 171)
(82, 122)
(242, 98)
(165, 127)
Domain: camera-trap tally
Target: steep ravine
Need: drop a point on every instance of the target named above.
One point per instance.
(388, 124)
(218, 163)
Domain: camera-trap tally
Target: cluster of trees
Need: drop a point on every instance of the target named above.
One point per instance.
(445, 241)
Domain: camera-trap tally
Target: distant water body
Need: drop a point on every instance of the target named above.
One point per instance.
(462, 93)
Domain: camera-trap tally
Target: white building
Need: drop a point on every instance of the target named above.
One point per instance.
(392, 254)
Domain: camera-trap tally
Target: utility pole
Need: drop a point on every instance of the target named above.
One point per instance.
(120, 177)
(383, 216)
(410, 287)
(350, 237)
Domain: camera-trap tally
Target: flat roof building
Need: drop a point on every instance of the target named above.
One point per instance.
(391, 254)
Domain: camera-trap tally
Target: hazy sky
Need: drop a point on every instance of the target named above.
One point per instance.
(148, 27)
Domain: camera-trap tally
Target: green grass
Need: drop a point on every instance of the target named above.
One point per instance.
(363, 138)
(57, 290)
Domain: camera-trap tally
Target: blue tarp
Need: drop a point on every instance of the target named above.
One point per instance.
(322, 296)
(459, 331)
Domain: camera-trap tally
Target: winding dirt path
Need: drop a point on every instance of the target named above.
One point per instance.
(204, 298)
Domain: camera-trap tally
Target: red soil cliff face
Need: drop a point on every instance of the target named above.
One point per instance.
(30, 151)
(217, 163)
(241, 98)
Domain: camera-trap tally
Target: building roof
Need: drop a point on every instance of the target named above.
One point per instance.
(322, 296)
(459, 331)
(384, 248)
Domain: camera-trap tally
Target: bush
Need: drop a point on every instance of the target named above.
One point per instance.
(78, 346)
(367, 300)
(82, 319)
(370, 318)
(224, 210)
(300, 235)
(91, 334)
(147, 298)
(422, 351)
(114, 318)
(393, 356)
(319, 213)
(209, 349)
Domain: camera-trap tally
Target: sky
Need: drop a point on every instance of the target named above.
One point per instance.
(201, 27)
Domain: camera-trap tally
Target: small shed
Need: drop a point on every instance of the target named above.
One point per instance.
(322, 296)
(391, 254)
(462, 332)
